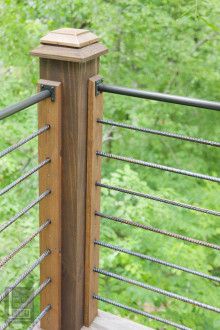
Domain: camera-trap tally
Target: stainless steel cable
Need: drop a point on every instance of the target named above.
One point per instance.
(156, 260)
(40, 316)
(139, 312)
(158, 290)
(24, 211)
(158, 231)
(23, 141)
(157, 132)
(23, 244)
(24, 275)
(158, 166)
(23, 177)
(25, 304)
(159, 199)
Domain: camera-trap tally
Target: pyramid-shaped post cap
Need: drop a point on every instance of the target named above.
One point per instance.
(75, 38)
(66, 44)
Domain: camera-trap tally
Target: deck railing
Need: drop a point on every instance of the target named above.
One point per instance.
(70, 117)
(100, 87)
(44, 94)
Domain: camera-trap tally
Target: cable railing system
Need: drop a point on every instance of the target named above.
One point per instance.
(99, 88)
(9, 111)
(22, 307)
(70, 123)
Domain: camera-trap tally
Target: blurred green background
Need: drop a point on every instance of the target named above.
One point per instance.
(165, 46)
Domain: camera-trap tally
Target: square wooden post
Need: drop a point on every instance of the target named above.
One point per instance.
(71, 56)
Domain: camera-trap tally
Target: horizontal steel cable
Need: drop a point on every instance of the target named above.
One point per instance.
(159, 199)
(158, 166)
(40, 316)
(12, 109)
(24, 211)
(176, 99)
(25, 304)
(23, 141)
(157, 290)
(24, 275)
(24, 176)
(156, 260)
(158, 231)
(137, 311)
(23, 244)
(161, 133)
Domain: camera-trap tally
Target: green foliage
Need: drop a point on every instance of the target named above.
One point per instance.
(167, 46)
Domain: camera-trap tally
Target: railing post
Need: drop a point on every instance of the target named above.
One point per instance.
(94, 144)
(49, 146)
(71, 56)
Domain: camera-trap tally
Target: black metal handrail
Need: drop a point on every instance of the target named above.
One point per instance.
(8, 111)
(192, 102)
(12, 109)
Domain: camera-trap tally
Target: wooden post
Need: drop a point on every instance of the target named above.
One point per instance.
(94, 143)
(49, 146)
(71, 56)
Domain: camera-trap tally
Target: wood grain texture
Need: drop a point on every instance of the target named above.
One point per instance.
(94, 143)
(49, 146)
(75, 38)
(108, 321)
(71, 31)
(74, 78)
(84, 54)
